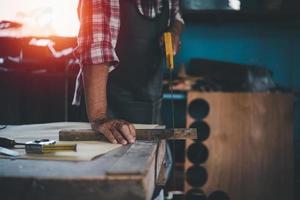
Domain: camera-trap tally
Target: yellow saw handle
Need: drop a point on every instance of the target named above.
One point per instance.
(169, 50)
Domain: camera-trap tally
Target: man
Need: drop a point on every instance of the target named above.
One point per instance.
(120, 55)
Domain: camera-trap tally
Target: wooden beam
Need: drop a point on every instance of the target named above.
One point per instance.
(134, 161)
(142, 134)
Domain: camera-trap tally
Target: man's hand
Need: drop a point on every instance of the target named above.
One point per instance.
(116, 131)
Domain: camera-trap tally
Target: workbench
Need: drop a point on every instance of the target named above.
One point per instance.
(127, 172)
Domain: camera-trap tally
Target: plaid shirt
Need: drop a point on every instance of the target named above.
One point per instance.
(100, 24)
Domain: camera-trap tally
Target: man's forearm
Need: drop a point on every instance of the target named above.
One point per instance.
(95, 82)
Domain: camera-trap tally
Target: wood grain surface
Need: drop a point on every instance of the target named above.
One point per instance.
(100, 178)
(250, 145)
(87, 150)
(141, 134)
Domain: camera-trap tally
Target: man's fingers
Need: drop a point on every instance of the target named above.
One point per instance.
(118, 131)
(109, 135)
(126, 133)
(118, 136)
(132, 130)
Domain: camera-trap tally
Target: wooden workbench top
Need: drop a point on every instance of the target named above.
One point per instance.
(128, 172)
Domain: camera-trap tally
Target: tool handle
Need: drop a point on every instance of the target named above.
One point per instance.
(169, 50)
(7, 143)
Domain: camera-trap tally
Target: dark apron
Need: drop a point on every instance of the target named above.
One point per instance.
(135, 87)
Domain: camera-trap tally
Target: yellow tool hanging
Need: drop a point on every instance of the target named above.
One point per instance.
(169, 50)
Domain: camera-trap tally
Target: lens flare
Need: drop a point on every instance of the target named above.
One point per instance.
(41, 17)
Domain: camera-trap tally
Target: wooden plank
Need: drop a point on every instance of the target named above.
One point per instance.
(86, 150)
(128, 165)
(15, 188)
(72, 180)
(142, 134)
(250, 145)
(154, 167)
(49, 169)
(143, 159)
(49, 180)
(162, 165)
(162, 179)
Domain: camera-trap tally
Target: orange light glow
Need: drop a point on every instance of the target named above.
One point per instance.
(41, 17)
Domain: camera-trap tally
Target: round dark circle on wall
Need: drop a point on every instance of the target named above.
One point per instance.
(203, 130)
(196, 176)
(199, 109)
(197, 153)
(195, 194)
(218, 195)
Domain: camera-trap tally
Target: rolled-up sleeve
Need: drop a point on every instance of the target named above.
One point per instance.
(98, 33)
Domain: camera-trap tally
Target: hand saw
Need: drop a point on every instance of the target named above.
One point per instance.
(170, 65)
(169, 51)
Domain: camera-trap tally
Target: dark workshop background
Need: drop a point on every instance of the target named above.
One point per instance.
(269, 43)
(274, 44)
(34, 92)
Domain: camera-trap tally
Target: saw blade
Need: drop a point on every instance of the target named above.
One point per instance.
(172, 98)
(169, 51)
